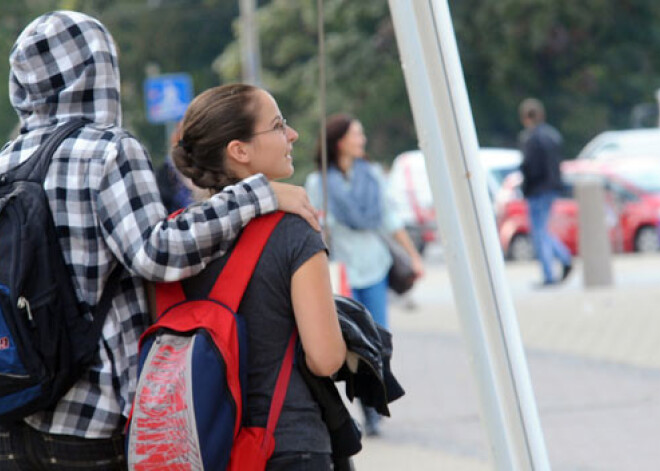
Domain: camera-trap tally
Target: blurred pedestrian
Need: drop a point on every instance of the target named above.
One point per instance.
(108, 213)
(541, 145)
(176, 190)
(358, 212)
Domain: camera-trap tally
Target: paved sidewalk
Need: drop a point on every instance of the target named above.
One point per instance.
(594, 358)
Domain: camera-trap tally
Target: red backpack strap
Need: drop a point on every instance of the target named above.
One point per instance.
(176, 213)
(281, 387)
(235, 276)
(167, 295)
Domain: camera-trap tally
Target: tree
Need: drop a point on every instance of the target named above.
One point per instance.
(364, 75)
(595, 64)
(173, 35)
(591, 62)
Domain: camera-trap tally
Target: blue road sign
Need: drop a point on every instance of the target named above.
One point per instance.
(167, 97)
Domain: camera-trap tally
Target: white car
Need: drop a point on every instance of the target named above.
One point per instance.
(411, 191)
(627, 142)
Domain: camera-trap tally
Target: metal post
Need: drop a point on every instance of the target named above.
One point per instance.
(595, 249)
(447, 136)
(322, 119)
(249, 42)
(170, 126)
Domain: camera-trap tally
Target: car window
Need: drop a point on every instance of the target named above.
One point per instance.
(610, 147)
(619, 192)
(500, 173)
(646, 179)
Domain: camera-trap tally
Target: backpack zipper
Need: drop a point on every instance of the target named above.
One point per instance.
(24, 305)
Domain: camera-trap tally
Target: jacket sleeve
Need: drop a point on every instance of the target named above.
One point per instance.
(135, 226)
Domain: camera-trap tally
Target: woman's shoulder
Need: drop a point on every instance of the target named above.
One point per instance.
(378, 169)
(292, 243)
(296, 227)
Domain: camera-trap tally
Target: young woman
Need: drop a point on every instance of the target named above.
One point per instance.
(359, 210)
(228, 133)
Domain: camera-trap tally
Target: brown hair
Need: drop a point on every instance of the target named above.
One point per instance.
(214, 119)
(336, 127)
(533, 109)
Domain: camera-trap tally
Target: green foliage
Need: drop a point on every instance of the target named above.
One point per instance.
(14, 16)
(363, 72)
(172, 35)
(591, 62)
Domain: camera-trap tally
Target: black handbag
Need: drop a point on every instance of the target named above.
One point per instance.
(401, 276)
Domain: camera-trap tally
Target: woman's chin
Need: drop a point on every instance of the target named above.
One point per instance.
(281, 175)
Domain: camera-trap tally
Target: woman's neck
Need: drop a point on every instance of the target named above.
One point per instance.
(345, 162)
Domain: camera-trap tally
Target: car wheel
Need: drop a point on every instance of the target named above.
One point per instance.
(521, 248)
(647, 240)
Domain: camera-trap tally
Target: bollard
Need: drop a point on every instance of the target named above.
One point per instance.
(594, 243)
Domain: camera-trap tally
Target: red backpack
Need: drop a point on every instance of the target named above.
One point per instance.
(188, 407)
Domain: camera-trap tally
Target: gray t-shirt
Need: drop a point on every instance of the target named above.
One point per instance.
(267, 309)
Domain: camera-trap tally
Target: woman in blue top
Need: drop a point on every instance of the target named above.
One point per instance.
(358, 211)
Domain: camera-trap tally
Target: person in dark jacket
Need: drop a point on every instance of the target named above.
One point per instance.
(541, 147)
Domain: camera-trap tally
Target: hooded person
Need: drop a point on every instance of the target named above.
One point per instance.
(107, 213)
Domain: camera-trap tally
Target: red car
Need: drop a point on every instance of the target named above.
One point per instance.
(632, 195)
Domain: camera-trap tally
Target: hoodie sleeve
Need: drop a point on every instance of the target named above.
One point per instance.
(135, 226)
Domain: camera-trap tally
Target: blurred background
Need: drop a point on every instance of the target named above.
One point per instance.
(594, 64)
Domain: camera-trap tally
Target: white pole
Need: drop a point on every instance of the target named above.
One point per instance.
(447, 136)
(249, 42)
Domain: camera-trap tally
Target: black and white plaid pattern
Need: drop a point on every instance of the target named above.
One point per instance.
(106, 205)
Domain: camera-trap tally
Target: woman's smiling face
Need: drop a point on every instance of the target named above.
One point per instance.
(271, 144)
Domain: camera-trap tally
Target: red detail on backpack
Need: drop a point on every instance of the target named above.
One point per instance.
(4, 343)
(254, 446)
(164, 425)
(161, 429)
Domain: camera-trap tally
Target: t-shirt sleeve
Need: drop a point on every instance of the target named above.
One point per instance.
(302, 242)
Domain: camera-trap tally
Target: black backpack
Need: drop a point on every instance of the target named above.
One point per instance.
(47, 339)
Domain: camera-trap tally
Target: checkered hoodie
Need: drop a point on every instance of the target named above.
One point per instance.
(106, 205)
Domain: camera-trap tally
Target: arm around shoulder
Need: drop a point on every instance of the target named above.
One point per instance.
(316, 316)
(134, 224)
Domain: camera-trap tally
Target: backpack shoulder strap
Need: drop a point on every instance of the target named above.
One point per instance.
(282, 385)
(36, 167)
(235, 276)
(168, 294)
(102, 309)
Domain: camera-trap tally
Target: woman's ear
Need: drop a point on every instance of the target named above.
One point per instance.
(237, 152)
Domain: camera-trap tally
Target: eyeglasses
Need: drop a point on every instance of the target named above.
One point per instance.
(280, 126)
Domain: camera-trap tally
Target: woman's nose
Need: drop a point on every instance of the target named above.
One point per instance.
(292, 135)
